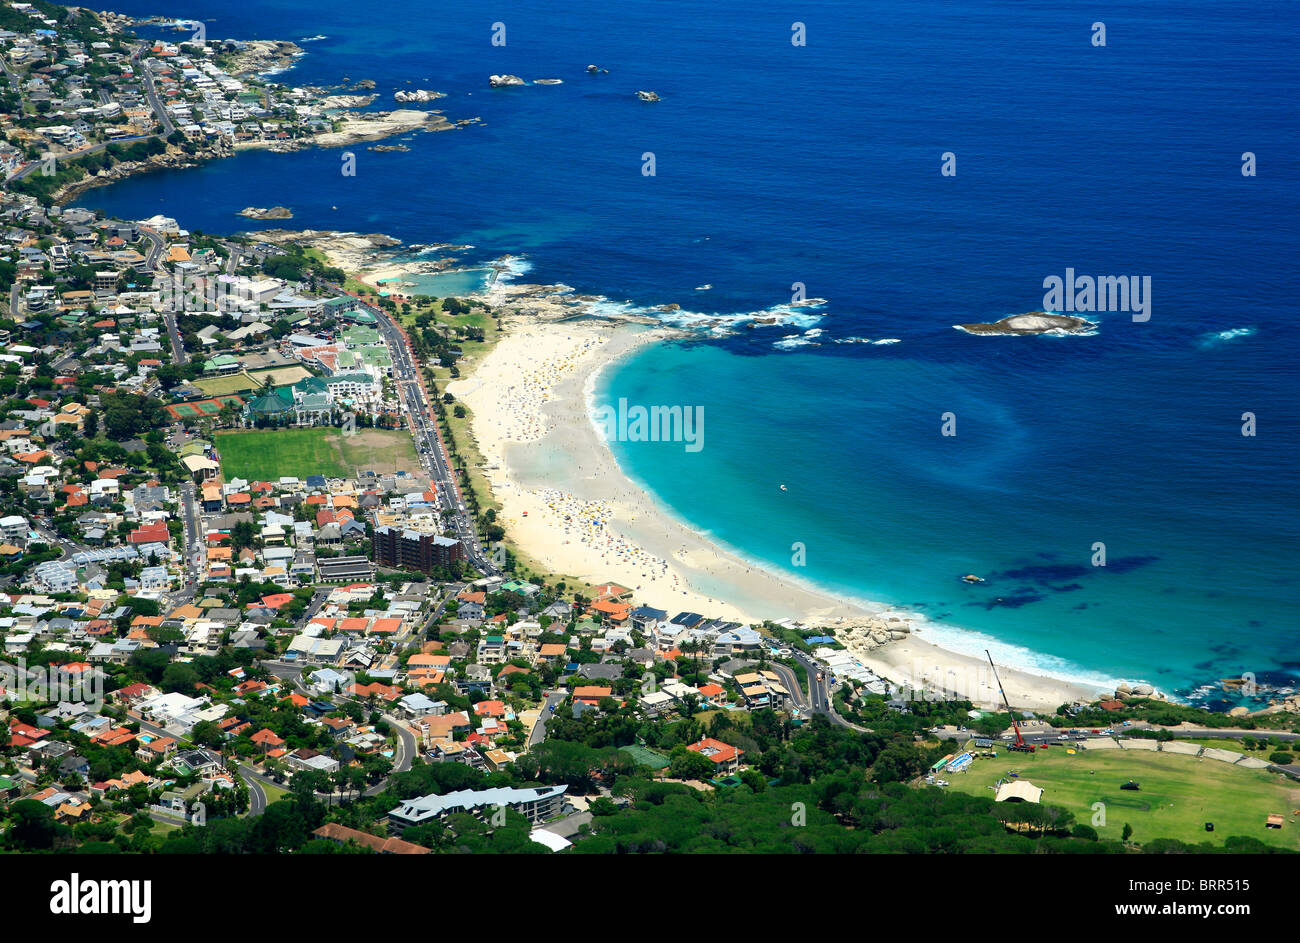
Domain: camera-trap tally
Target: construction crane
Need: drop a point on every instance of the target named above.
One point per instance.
(1019, 746)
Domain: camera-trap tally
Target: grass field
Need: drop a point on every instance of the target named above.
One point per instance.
(1178, 794)
(274, 453)
(248, 381)
(222, 386)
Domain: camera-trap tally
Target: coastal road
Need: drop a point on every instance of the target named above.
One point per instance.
(1220, 733)
(428, 440)
(820, 700)
(152, 93)
(33, 166)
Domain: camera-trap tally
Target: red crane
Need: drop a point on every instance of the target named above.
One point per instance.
(1019, 746)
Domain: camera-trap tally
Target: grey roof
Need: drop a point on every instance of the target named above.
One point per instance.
(463, 800)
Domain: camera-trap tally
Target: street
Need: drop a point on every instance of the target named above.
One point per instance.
(428, 441)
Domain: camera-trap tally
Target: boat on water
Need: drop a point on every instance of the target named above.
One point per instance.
(972, 578)
(783, 488)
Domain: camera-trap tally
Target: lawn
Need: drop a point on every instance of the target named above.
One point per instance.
(269, 454)
(247, 381)
(223, 386)
(1178, 794)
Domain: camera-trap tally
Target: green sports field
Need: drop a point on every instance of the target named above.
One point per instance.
(1178, 794)
(269, 454)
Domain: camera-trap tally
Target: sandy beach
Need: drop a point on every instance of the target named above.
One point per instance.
(567, 503)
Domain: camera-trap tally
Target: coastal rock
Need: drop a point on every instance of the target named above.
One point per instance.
(418, 95)
(173, 158)
(1143, 690)
(346, 101)
(389, 147)
(257, 56)
(868, 634)
(502, 81)
(275, 212)
(373, 125)
(648, 96)
(1032, 322)
(366, 84)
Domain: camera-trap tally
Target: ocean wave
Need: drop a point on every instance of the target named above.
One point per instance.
(974, 643)
(511, 267)
(883, 342)
(782, 315)
(270, 73)
(806, 339)
(1215, 338)
(313, 39)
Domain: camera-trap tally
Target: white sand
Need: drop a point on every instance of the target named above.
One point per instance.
(569, 506)
(566, 502)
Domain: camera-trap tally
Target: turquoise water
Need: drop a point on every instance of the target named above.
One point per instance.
(820, 165)
(447, 284)
(1044, 465)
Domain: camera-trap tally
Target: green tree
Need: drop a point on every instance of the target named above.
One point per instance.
(179, 677)
(33, 828)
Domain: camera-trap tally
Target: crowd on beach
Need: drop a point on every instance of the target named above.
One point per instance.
(522, 401)
(587, 522)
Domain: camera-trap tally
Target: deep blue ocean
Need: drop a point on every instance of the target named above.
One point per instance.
(777, 164)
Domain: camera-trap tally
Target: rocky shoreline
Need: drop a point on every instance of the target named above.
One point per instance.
(261, 56)
(174, 158)
(355, 128)
(257, 58)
